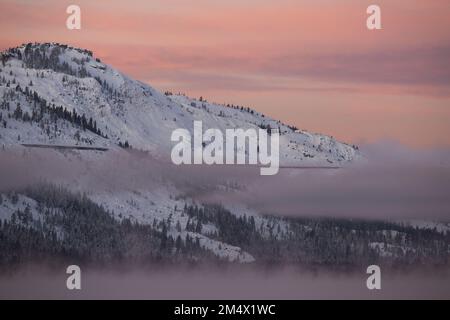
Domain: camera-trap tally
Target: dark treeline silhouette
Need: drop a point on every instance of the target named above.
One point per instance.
(323, 241)
(72, 227)
(68, 225)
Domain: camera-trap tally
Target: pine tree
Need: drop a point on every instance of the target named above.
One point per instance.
(178, 243)
(198, 228)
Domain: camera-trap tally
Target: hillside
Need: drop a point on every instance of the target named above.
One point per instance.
(56, 94)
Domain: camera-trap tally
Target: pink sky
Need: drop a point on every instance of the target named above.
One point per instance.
(311, 63)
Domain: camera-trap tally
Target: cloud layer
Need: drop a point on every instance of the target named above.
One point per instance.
(394, 183)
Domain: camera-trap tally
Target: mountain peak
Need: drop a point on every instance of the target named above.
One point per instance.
(48, 46)
(54, 56)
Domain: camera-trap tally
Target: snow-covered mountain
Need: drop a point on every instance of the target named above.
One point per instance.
(56, 94)
(53, 94)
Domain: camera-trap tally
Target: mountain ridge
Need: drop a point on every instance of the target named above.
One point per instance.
(125, 112)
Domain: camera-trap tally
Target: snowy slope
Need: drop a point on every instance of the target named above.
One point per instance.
(127, 110)
(42, 86)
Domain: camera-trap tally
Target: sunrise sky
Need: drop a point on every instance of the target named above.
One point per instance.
(311, 63)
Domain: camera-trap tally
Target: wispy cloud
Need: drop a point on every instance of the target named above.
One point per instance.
(395, 183)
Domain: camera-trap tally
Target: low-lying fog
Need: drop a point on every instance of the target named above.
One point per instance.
(220, 283)
(394, 183)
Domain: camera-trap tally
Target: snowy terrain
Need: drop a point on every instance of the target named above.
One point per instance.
(53, 94)
(128, 110)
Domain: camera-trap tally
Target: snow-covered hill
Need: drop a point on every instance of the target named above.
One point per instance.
(52, 94)
(56, 94)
